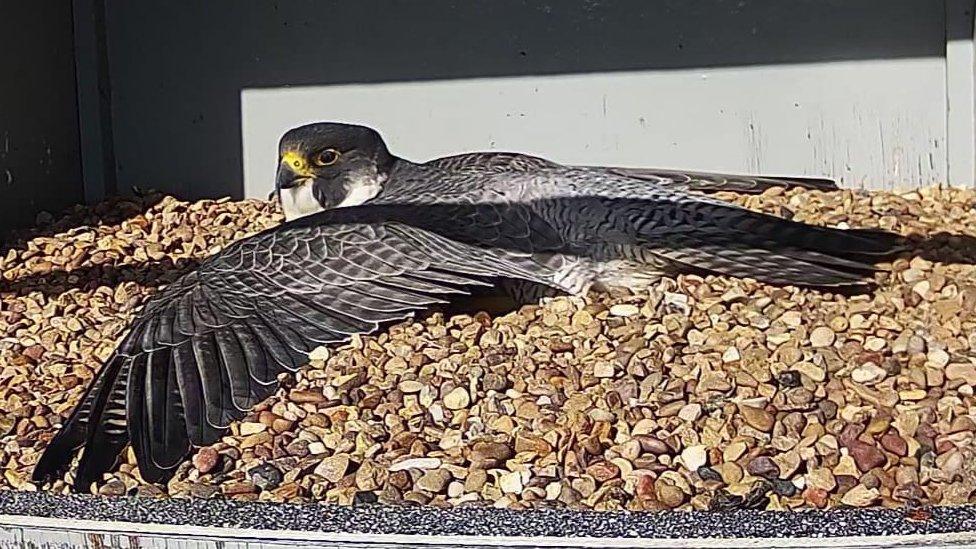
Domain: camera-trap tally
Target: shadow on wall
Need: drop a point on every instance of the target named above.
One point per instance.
(178, 70)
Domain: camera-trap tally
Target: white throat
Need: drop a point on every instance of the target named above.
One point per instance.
(361, 191)
(299, 201)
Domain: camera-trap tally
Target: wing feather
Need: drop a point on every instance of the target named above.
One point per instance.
(211, 345)
(714, 182)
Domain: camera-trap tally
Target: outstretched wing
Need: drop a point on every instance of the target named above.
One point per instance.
(211, 345)
(715, 182)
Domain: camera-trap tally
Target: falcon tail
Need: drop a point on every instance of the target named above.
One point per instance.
(737, 242)
(100, 407)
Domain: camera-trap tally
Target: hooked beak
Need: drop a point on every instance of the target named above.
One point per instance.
(292, 171)
(287, 178)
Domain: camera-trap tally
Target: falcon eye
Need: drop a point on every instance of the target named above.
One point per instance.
(326, 157)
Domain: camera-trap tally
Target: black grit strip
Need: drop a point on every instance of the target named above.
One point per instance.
(477, 521)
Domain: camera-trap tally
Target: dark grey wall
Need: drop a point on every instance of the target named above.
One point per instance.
(40, 168)
(178, 68)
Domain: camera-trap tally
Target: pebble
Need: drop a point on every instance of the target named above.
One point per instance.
(694, 457)
(822, 336)
(757, 418)
(822, 478)
(846, 467)
(511, 483)
(266, 476)
(644, 488)
(333, 468)
(475, 480)
(320, 353)
(317, 448)
(434, 480)
(730, 472)
(256, 439)
(764, 467)
(490, 452)
(867, 456)
(734, 451)
(238, 488)
(789, 379)
(206, 459)
(868, 373)
(205, 491)
(690, 412)
(963, 372)
(249, 428)
(816, 497)
(624, 310)
(603, 370)
(603, 471)
(860, 496)
(416, 463)
(731, 354)
(410, 386)
(812, 371)
(912, 394)
(113, 488)
(299, 396)
(669, 495)
(892, 442)
(457, 399)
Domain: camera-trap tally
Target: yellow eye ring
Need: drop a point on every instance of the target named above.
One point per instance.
(326, 157)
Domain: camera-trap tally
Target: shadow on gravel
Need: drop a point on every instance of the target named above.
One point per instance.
(939, 247)
(944, 248)
(151, 273)
(111, 212)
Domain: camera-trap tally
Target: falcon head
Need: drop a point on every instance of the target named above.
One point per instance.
(329, 165)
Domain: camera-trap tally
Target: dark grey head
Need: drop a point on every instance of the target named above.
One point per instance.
(329, 165)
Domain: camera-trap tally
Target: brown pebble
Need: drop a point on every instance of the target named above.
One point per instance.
(817, 497)
(475, 480)
(669, 495)
(603, 471)
(844, 483)
(644, 488)
(206, 459)
(303, 396)
(34, 352)
(490, 453)
(236, 488)
(654, 445)
(763, 466)
(400, 479)
(434, 480)
(757, 418)
(892, 442)
(251, 441)
(333, 468)
(867, 456)
(112, 488)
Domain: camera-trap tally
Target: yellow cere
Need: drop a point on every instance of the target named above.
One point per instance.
(296, 162)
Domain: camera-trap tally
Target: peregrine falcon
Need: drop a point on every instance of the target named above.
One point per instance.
(371, 238)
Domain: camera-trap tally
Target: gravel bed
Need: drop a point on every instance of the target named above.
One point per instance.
(703, 393)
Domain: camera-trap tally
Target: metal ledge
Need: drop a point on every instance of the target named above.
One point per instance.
(37, 519)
